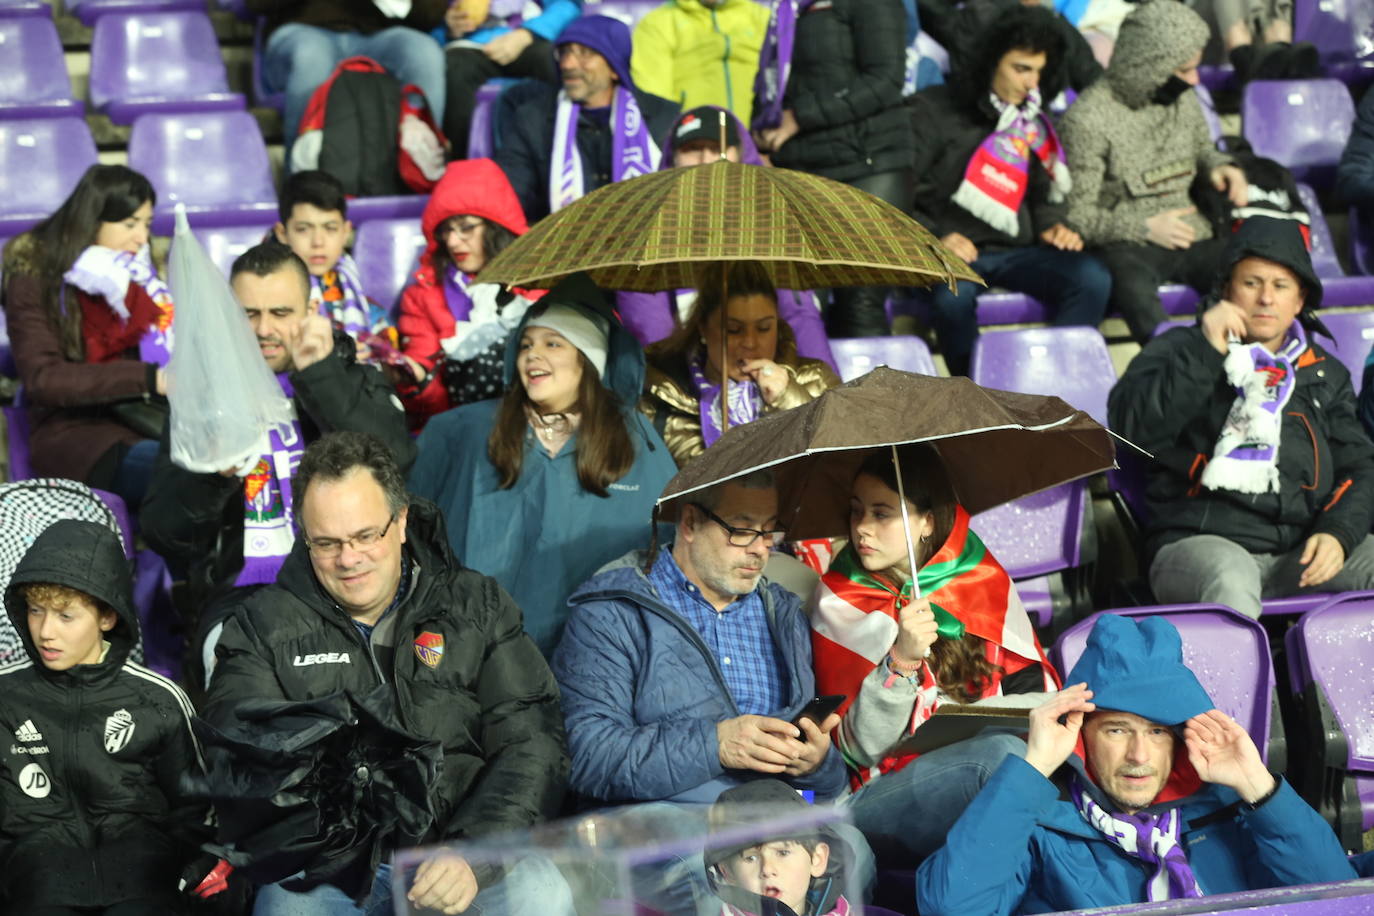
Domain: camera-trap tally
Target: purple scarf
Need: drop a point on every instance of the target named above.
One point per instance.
(1246, 457)
(341, 300)
(1151, 838)
(267, 514)
(746, 401)
(456, 294)
(633, 150)
(107, 273)
(775, 62)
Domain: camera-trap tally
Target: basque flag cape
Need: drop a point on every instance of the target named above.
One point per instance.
(854, 620)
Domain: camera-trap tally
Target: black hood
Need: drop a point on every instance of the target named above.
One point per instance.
(972, 86)
(1280, 241)
(88, 557)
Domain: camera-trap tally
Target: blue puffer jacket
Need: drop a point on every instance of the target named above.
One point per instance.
(1022, 847)
(642, 693)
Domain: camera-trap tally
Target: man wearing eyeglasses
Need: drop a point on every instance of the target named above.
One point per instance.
(371, 598)
(683, 680)
(227, 534)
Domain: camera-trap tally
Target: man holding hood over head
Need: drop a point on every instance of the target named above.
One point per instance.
(1133, 789)
(1135, 140)
(557, 145)
(1262, 480)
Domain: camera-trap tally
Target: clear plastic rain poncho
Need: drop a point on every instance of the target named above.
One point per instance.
(224, 399)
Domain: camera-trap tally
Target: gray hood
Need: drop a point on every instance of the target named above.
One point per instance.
(1154, 41)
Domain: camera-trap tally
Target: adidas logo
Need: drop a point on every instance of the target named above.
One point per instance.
(27, 733)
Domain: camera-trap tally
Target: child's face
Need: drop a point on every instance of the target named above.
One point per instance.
(782, 869)
(70, 633)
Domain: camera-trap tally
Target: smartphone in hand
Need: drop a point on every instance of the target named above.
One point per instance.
(819, 709)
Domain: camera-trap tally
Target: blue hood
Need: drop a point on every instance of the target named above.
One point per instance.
(1136, 666)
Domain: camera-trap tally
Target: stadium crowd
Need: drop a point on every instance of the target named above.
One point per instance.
(455, 535)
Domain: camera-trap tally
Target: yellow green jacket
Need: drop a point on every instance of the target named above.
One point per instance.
(689, 53)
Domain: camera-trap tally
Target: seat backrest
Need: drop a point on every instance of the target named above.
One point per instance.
(627, 11)
(387, 252)
(41, 160)
(1072, 363)
(1337, 644)
(1325, 261)
(1354, 333)
(1036, 534)
(1227, 651)
(32, 66)
(204, 160)
(1332, 26)
(155, 55)
(856, 356)
(1303, 124)
(225, 243)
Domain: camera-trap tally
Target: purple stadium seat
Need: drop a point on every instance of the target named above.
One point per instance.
(387, 252)
(482, 131)
(13, 8)
(121, 513)
(33, 72)
(158, 62)
(214, 162)
(1070, 363)
(1303, 124)
(855, 357)
(89, 11)
(41, 160)
(1005, 307)
(225, 243)
(400, 206)
(1170, 323)
(1354, 333)
(17, 442)
(1178, 299)
(1338, 289)
(627, 11)
(1227, 651)
(1333, 27)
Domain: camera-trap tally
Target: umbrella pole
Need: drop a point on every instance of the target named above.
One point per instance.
(724, 350)
(906, 526)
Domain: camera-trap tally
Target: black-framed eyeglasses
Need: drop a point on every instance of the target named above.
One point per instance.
(329, 548)
(743, 537)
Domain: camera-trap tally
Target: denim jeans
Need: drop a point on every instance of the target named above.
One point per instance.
(533, 887)
(905, 815)
(135, 473)
(299, 58)
(1075, 284)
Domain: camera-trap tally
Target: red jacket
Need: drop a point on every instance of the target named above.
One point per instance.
(473, 187)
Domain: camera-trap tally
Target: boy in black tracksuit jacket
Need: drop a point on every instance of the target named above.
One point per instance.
(93, 747)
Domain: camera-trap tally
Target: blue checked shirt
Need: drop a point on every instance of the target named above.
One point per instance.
(738, 637)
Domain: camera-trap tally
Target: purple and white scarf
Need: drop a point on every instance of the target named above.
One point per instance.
(105, 272)
(633, 150)
(746, 401)
(267, 513)
(342, 301)
(1151, 838)
(456, 294)
(775, 62)
(1246, 457)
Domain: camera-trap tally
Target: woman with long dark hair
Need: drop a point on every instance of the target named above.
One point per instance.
(898, 657)
(682, 396)
(570, 471)
(454, 328)
(90, 327)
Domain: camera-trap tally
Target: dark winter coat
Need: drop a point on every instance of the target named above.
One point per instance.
(1355, 175)
(489, 699)
(1173, 400)
(848, 68)
(91, 813)
(195, 520)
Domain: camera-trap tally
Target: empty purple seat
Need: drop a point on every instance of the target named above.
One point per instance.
(482, 130)
(33, 72)
(14, 8)
(225, 243)
(1071, 363)
(1227, 651)
(88, 11)
(1338, 289)
(1303, 124)
(158, 62)
(1333, 28)
(214, 162)
(387, 252)
(1354, 333)
(855, 357)
(1170, 323)
(400, 206)
(41, 160)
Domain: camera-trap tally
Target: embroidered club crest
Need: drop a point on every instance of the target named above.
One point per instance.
(119, 728)
(429, 648)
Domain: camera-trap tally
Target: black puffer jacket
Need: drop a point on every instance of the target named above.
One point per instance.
(489, 699)
(1174, 398)
(848, 67)
(90, 810)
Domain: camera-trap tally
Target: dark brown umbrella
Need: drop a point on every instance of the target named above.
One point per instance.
(996, 445)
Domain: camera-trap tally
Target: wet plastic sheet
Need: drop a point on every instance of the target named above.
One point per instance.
(223, 397)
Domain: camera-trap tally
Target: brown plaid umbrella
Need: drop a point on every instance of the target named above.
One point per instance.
(659, 231)
(996, 445)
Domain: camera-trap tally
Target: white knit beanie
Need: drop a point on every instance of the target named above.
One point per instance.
(586, 332)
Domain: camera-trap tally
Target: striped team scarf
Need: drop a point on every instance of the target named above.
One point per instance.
(1151, 838)
(338, 296)
(854, 624)
(633, 150)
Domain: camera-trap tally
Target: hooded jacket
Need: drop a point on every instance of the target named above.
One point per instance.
(484, 694)
(1173, 400)
(1130, 157)
(642, 692)
(528, 113)
(91, 809)
(697, 55)
(1022, 846)
(544, 535)
(470, 187)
